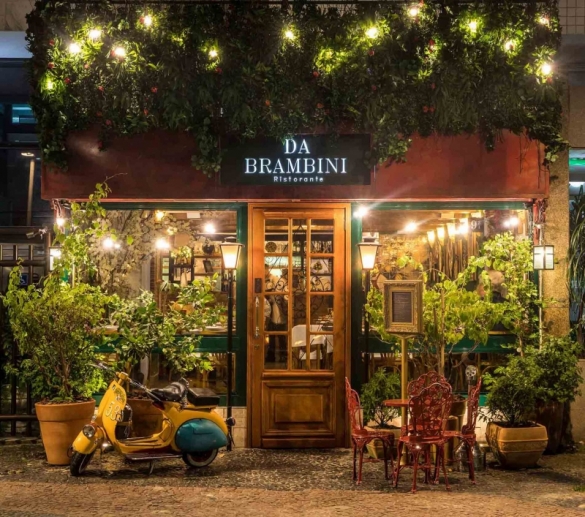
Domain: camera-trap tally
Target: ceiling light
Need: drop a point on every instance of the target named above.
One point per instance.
(162, 244)
(411, 227)
(159, 215)
(362, 211)
(27, 155)
(209, 228)
(372, 32)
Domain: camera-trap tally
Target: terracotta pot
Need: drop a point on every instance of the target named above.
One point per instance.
(146, 419)
(551, 417)
(516, 447)
(60, 424)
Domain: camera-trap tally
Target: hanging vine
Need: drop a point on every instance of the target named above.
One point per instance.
(388, 69)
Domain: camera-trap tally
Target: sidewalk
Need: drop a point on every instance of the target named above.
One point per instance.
(250, 482)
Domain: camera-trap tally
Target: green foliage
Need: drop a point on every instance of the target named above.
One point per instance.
(513, 391)
(576, 259)
(382, 386)
(427, 75)
(55, 328)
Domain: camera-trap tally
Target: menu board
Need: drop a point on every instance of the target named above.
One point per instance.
(402, 307)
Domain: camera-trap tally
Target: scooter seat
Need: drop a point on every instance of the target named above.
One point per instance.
(202, 397)
(171, 393)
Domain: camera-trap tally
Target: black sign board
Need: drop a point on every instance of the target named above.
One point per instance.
(302, 160)
(403, 306)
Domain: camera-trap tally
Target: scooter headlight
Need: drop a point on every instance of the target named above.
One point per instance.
(231, 421)
(89, 431)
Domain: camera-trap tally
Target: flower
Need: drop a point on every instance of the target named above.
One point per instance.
(108, 122)
(67, 80)
(425, 109)
(371, 52)
(51, 66)
(101, 88)
(52, 42)
(146, 112)
(320, 106)
(218, 70)
(316, 74)
(154, 89)
(267, 102)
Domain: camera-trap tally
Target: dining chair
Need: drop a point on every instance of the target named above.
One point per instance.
(428, 411)
(425, 380)
(360, 436)
(467, 433)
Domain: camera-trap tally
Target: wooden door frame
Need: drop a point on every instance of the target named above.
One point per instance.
(286, 206)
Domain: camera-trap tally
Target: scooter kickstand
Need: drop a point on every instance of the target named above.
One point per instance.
(150, 467)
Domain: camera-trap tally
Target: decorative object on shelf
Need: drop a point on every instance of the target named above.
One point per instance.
(270, 247)
(208, 247)
(182, 255)
(327, 74)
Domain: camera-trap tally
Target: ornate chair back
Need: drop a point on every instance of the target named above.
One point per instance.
(425, 380)
(429, 410)
(353, 407)
(472, 409)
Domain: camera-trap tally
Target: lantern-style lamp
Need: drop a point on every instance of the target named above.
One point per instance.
(543, 258)
(368, 250)
(230, 253)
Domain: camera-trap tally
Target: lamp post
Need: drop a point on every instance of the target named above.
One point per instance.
(230, 254)
(368, 249)
(543, 259)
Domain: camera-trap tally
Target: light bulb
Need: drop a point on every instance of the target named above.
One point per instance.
(95, 34)
(159, 215)
(451, 230)
(463, 227)
(162, 244)
(147, 20)
(362, 211)
(512, 222)
(117, 245)
(108, 243)
(49, 84)
(289, 35)
(74, 48)
(60, 222)
(213, 53)
(413, 11)
(473, 25)
(431, 237)
(411, 227)
(546, 69)
(509, 45)
(372, 32)
(544, 20)
(209, 228)
(441, 233)
(120, 52)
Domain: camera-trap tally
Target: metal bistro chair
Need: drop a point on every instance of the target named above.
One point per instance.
(360, 436)
(467, 433)
(428, 411)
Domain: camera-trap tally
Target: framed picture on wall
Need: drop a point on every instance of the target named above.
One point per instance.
(208, 266)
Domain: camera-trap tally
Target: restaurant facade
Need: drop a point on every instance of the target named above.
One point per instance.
(300, 207)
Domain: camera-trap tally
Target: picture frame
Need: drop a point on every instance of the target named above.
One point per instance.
(403, 307)
(208, 266)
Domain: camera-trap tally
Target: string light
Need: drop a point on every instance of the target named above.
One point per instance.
(209, 228)
(431, 237)
(147, 20)
(213, 53)
(94, 34)
(162, 244)
(441, 233)
(509, 45)
(60, 222)
(49, 85)
(108, 243)
(159, 215)
(372, 32)
(413, 11)
(544, 20)
(411, 227)
(120, 52)
(362, 211)
(74, 48)
(463, 227)
(473, 25)
(546, 69)
(512, 222)
(289, 34)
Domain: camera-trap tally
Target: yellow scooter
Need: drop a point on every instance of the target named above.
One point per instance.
(191, 430)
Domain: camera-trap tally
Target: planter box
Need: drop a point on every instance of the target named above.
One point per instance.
(517, 447)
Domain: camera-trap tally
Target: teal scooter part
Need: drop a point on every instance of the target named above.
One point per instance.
(200, 435)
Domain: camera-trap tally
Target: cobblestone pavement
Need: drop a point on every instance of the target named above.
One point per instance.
(251, 482)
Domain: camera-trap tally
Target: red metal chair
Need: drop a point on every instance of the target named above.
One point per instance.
(360, 436)
(467, 433)
(428, 412)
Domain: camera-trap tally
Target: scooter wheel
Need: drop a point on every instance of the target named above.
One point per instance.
(199, 459)
(79, 463)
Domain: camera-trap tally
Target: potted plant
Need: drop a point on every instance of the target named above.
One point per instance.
(382, 386)
(558, 359)
(55, 329)
(515, 440)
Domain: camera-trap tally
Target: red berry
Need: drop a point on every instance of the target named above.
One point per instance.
(371, 53)
(267, 102)
(433, 86)
(374, 87)
(316, 74)
(320, 106)
(431, 43)
(154, 89)
(142, 19)
(146, 112)
(52, 42)
(101, 88)
(549, 80)
(432, 109)
(99, 113)
(51, 66)
(108, 122)
(218, 70)
(67, 80)
(425, 109)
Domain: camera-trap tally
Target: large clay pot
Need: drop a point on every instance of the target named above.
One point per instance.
(516, 447)
(146, 419)
(60, 424)
(551, 417)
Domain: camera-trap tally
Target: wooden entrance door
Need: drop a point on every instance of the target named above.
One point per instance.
(298, 337)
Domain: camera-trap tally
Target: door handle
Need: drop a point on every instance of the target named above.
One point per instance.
(257, 329)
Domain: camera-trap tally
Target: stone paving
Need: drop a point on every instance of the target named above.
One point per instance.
(251, 482)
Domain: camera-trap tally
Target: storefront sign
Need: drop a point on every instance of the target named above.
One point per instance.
(301, 160)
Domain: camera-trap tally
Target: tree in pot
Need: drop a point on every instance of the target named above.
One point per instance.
(55, 328)
(558, 359)
(515, 440)
(382, 386)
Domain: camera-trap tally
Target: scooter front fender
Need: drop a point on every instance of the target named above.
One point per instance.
(85, 445)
